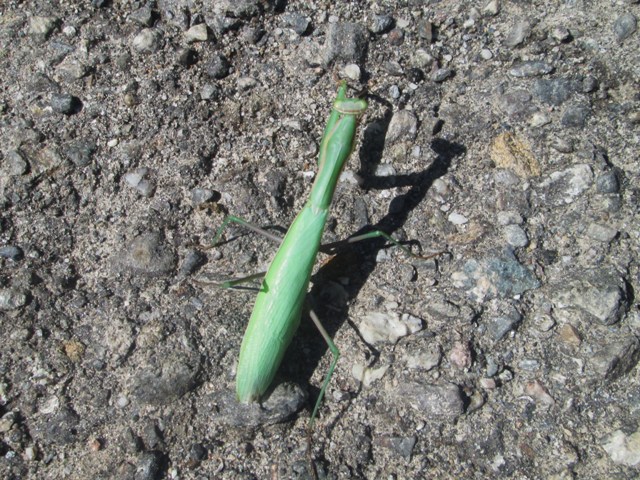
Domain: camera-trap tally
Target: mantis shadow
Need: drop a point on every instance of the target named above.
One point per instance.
(361, 256)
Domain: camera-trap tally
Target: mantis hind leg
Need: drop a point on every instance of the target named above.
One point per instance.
(254, 228)
(336, 355)
(387, 237)
(233, 282)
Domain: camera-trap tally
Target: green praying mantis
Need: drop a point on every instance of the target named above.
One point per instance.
(278, 307)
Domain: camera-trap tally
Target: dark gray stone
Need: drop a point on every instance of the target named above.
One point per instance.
(608, 182)
(143, 16)
(346, 42)
(296, 21)
(575, 116)
(80, 153)
(402, 446)
(192, 261)
(149, 466)
(65, 103)
(441, 74)
(554, 91)
(616, 359)
(625, 25)
(17, 163)
(601, 293)
(218, 67)
(12, 298)
(381, 24)
(498, 276)
(498, 327)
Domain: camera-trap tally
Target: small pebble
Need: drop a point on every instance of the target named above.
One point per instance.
(460, 355)
(381, 24)
(569, 335)
(201, 195)
(492, 367)
(147, 41)
(561, 34)
(42, 26)
(402, 446)
(197, 33)
(625, 26)
(218, 67)
(623, 448)
(385, 170)
(498, 327)
(457, 218)
(31, 453)
(368, 376)
(575, 116)
(143, 16)
(425, 30)
(422, 59)
(518, 34)
(589, 84)
(381, 327)
(352, 72)
(297, 22)
(486, 54)
(209, 92)
(392, 67)
(12, 299)
(539, 393)
(441, 74)
(81, 153)
(491, 9)
(246, 83)
(601, 233)
(516, 236)
(529, 364)
(543, 322)
(17, 163)
(554, 91)
(192, 261)
(403, 124)
(396, 37)
(488, 383)
(509, 217)
(64, 103)
(562, 145)
(426, 360)
(137, 179)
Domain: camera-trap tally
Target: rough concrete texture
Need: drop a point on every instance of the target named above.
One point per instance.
(503, 136)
